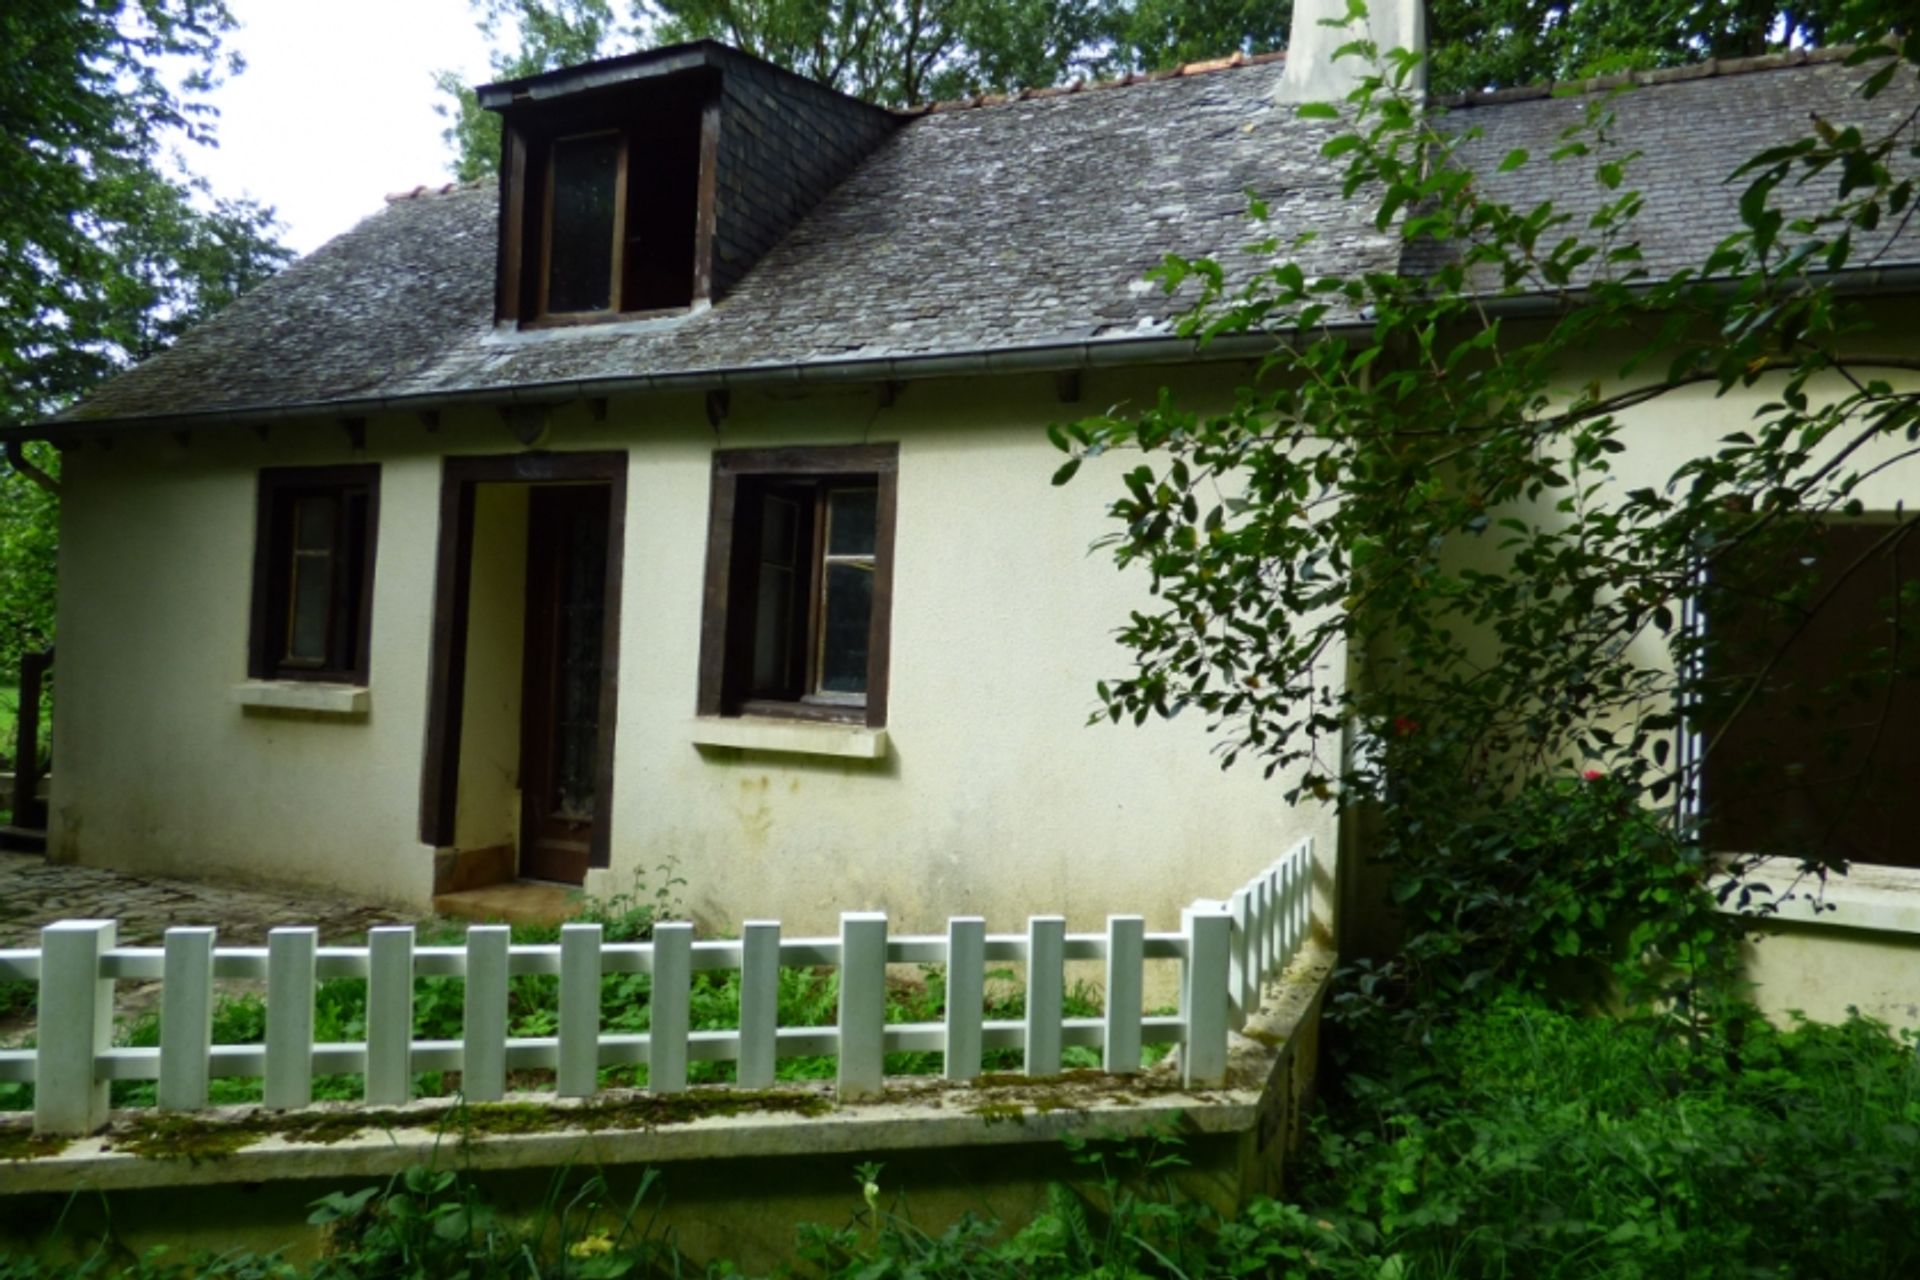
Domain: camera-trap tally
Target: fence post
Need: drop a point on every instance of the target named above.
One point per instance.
(76, 1027)
(759, 1003)
(1126, 948)
(966, 994)
(1261, 941)
(1243, 990)
(186, 1020)
(389, 1077)
(669, 1024)
(483, 1029)
(863, 1004)
(1203, 994)
(579, 1071)
(290, 957)
(1046, 992)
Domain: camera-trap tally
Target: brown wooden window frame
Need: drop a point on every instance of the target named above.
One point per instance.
(743, 479)
(529, 142)
(278, 563)
(617, 251)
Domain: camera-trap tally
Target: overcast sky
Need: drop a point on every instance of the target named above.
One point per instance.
(335, 108)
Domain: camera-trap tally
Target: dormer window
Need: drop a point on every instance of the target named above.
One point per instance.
(586, 210)
(603, 196)
(652, 183)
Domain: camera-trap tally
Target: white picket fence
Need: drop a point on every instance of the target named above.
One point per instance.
(1226, 951)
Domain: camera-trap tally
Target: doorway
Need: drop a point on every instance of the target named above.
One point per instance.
(564, 682)
(560, 699)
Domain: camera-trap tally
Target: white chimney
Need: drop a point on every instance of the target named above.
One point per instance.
(1313, 74)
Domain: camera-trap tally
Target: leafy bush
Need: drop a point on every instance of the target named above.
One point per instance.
(1529, 1141)
(1570, 890)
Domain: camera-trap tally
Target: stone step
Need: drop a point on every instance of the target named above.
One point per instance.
(514, 902)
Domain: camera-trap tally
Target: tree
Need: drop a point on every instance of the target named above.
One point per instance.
(108, 249)
(1493, 44)
(899, 53)
(1430, 486)
(528, 37)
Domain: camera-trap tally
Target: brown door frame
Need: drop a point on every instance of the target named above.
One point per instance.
(460, 478)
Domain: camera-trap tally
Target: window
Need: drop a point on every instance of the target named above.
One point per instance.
(313, 573)
(799, 583)
(1813, 707)
(602, 208)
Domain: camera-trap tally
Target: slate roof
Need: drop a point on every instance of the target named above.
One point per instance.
(995, 227)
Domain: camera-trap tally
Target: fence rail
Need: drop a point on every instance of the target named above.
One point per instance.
(1226, 950)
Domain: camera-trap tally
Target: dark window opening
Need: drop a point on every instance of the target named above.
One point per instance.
(602, 206)
(799, 584)
(313, 573)
(1812, 712)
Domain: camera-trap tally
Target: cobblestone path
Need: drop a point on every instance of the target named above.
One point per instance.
(35, 892)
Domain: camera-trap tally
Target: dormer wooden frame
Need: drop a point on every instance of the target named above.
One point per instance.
(525, 242)
(543, 312)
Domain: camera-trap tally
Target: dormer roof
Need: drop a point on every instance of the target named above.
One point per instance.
(997, 236)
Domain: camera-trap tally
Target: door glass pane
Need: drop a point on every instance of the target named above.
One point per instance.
(850, 521)
(773, 634)
(843, 633)
(312, 595)
(580, 272)
(582, 613)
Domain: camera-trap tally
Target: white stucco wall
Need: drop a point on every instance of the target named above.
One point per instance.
(996, 797)
(1866, 951)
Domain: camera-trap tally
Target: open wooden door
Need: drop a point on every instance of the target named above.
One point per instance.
(560, 726)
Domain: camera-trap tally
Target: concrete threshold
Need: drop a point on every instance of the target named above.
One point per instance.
(512, 902)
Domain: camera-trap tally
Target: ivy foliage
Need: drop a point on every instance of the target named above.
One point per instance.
(1418, 566)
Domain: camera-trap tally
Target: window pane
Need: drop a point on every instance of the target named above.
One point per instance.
(313, 524)
(312, 596)
(779, 532)
(580, 276)
(773, 634)
(850, 521)
(843, 633)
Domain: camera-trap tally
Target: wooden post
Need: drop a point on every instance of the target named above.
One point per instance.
(1203, 994)
(863, 1004)
(186, 1020)
(579, 1072)
(759, 1003)
(672, 987)
(966, 994)
(290, 957)
(28, 810)
(1046, 992)
(76, 1027)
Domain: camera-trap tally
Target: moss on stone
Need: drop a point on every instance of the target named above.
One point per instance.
(177, 1136)
(24, 1144)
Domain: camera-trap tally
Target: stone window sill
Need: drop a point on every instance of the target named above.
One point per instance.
(791, 737)
(310, 696)
(1886, 899)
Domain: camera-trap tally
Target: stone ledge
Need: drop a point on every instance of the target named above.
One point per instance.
(792, 737)
(311, 696)
(1885, 899)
